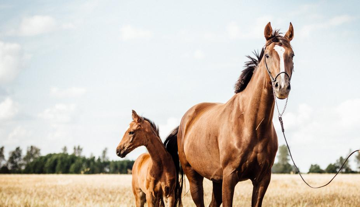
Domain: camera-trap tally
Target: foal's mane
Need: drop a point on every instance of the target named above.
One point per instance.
(153, 126)
(253, 62)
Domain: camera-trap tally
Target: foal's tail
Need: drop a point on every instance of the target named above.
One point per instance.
(171, 146)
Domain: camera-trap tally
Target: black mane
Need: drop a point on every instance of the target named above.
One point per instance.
(253, 62)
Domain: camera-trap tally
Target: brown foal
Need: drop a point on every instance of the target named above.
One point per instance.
(236, 141)
(154, 174)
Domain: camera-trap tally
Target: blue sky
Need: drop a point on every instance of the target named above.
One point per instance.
(72, 71)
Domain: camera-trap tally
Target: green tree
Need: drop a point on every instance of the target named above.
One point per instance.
(283, 165)
(357, 159)
(346, 168)
(104, 157)
(331, 168)
(31, 154)
(315, 169)
(15, 160)
(64, 150)
(77, 150)
(2, 156)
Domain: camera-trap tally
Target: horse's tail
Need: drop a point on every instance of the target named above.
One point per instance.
(171, 146)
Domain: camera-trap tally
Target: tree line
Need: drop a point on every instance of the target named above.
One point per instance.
(283, 165)
(75, 163)
(61, 163)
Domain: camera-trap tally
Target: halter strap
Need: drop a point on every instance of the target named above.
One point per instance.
(273, 80)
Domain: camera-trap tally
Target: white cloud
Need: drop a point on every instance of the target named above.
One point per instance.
(11, 58)
(8, 109)
(60, 113)
(349, 113)
(166, 129)
(68, 26)
(256, 30)
(329, 125)
(68, 92)
(18, 134)
(339, 20)
(199, 54)
(37, 25)
(129, 32)
(306, 30)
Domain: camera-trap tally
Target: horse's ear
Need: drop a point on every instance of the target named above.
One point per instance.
(136, 118)
(290, 33)
(268, 31)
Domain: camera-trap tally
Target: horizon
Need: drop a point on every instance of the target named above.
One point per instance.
(71, 72)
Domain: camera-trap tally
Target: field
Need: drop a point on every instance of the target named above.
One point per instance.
(115, 190)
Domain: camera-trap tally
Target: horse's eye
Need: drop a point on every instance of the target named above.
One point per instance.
(267, 55)
(131, 132)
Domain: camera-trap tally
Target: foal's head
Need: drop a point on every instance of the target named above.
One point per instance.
(139, 133)
(279, 59)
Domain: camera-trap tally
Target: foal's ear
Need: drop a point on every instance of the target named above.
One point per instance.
(290, 33)
(268, 31)
(136, 118)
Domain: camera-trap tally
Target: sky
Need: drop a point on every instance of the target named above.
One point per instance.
(72, 71)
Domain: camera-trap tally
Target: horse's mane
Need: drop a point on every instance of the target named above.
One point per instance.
(253, 62)
(153, 126)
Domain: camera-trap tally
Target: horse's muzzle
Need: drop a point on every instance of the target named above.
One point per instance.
(282, 89)
(121, 152)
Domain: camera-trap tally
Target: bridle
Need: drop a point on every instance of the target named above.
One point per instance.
(273, 81)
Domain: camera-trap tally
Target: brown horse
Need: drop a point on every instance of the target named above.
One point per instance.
(154, 175)
(236, 141)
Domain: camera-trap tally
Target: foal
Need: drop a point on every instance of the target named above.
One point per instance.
(154, 174)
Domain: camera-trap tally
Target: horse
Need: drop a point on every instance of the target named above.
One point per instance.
(236, 141)
(154, 174)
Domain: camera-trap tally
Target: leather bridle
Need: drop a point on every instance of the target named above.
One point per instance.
(273, 80)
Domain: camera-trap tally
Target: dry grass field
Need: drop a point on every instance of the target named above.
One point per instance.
(115, 190)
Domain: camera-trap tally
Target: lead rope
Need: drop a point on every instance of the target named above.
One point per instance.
(292, 159)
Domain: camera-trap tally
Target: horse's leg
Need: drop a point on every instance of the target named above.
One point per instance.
(230, 178)
(259, 189)
(216, 199)
(196, 185)
(138, 193)
(139, 197)
(171, 200)
(151, 200)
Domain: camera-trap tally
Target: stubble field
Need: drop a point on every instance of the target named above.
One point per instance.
(115, 190)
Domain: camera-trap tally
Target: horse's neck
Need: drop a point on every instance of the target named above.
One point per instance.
(258, 101)
(156, 150)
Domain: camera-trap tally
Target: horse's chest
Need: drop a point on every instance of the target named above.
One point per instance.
(160, 185)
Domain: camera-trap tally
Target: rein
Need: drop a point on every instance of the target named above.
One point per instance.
(280, 114)
(292, 159)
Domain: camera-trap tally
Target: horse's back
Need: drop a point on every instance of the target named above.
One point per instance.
(194, 113)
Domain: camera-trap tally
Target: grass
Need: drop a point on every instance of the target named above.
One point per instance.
(115, 190)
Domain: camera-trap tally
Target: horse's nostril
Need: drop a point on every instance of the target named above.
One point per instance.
(289, 87)
(276, 85)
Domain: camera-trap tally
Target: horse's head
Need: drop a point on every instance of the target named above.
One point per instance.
(279, 59)
(136, 135)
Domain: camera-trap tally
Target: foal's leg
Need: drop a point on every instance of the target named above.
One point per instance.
(138, 193)
(196, 185)
(216, 195)
(230, 178)
(139, 197)
(259, 189)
